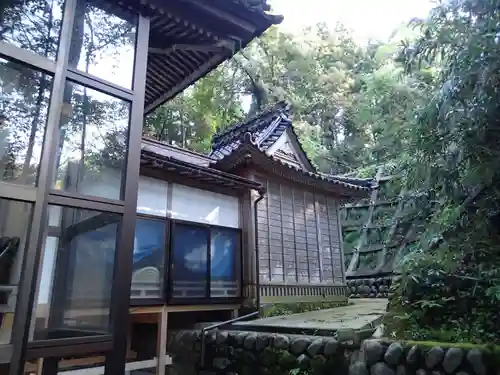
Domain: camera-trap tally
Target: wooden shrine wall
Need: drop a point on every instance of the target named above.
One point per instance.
(299, 237)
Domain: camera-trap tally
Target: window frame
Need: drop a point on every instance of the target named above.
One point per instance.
(12, 189)
(170, 300)
(61, 296)
(42, 195)
(108, 91)
(82, 76)
(20, 255)
(137, 302)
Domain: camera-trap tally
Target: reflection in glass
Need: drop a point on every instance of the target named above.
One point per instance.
(103, 41)
(33, 25)
(149, 249)
(24, 99)
(92, 142)
(15, 219)
(189, 261)
(190, 270)
(223, 264)
(76, 275)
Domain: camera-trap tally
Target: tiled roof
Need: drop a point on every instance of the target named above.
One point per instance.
(249, 149)
(256, 4)
(255, 8)
(366, 182)
(260, 132)
(265, 127)
(190, 171)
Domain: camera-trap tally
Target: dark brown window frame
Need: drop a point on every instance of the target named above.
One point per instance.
(114, 345)
(206, 300)
(134, 302)
(63, 273)
(167, 298)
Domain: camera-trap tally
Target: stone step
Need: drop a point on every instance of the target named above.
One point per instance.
(290, 330)
(360, 315)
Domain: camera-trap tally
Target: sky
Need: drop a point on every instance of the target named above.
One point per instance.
(368, 19)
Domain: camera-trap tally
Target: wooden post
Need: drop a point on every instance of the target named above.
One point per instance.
(234, 314)
(162, 341)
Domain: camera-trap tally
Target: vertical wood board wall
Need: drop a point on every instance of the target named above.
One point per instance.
(298, 232)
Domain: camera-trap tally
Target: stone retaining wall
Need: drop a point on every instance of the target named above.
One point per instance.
(246, 353)
(369, 287)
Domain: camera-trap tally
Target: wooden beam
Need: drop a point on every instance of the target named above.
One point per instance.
(182, 308)
(145, 318)
(130, 366)
(218, 47)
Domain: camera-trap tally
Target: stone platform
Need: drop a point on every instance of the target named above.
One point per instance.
(360, 314)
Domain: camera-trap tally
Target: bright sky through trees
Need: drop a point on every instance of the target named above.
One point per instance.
(368, 19)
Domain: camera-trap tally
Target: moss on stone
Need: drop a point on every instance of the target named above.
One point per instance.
(299, 307)
(285, 359)
(461, 345)
(269, 356)
(268, 360)
(318, 363)
(248, 357)
(247, 370)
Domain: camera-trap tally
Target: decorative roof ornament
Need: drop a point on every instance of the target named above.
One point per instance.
(247, 138)
(260, 4)
(273, 110)
(265, 127)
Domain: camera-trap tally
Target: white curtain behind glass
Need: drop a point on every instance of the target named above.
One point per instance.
(203, 206)
(152, 197)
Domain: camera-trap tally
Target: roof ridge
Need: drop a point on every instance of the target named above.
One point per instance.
(262, 7)
(249, 142)
(344, 177)
(270, 129)
(259, 4)
(281, 106)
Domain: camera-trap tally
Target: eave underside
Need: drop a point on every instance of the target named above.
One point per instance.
(189, 38)
(195, 175)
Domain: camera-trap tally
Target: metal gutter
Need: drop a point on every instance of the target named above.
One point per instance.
(262, 193)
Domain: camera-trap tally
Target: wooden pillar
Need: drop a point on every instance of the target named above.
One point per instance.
(163, 358)
(248, 242)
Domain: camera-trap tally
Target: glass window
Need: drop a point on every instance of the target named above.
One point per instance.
(15, 220)
(152, 196)
(33, 25)
(103, 41)
(192, 274)
(24, 99)
(189, 264)
(210, 208)
(76, 274)
(149, 250)
(92, 148)
(224, 255)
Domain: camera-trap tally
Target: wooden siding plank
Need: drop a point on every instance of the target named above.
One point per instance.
(298, 236)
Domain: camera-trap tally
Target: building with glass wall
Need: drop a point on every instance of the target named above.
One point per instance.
(76, 80)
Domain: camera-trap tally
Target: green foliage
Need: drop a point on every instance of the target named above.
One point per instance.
(429, 112)
(450, 283)
(348, 99)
